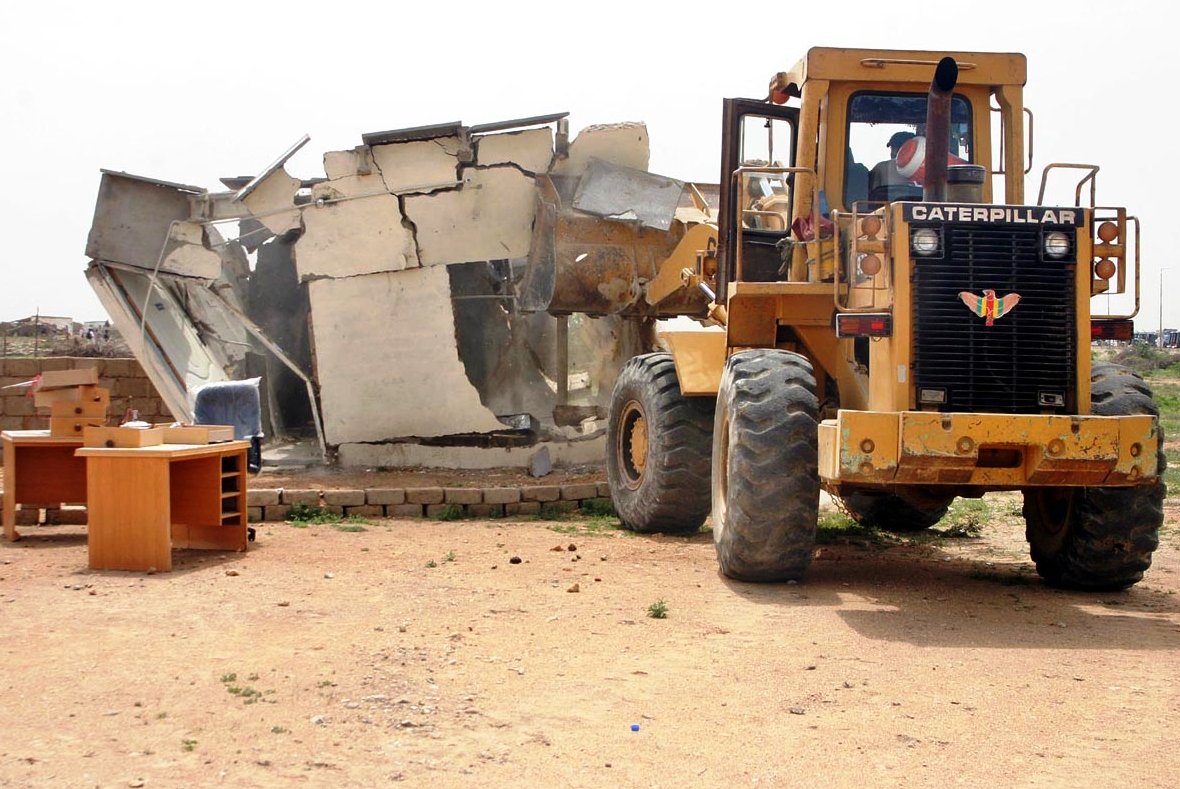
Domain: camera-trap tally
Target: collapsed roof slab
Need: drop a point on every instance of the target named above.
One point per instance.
(387, 360)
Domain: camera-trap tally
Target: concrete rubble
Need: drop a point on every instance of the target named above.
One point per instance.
(382, 302)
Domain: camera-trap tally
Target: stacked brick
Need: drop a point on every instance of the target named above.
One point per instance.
(276, 504)
(129, 387)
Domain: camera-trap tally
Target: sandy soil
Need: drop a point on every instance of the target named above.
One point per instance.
(416, 652)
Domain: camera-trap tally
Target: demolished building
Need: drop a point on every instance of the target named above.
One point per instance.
(405, 309)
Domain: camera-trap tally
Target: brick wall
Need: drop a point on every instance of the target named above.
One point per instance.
(129, 387)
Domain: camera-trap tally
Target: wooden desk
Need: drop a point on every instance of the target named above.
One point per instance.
(40, 469)
(144, 502)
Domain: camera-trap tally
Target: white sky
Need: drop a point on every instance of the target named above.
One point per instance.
(190, 92)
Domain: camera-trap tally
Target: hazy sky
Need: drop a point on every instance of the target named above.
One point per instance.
(190, 92)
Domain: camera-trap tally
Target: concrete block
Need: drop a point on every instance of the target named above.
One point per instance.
(501, 495)
(275, 513)
(309, 497)
(523, 508)
(10, 423)
(424, 495)
(387, 359)
(559, 507)
(540, 493)
(403, 511)
(604, 489)
(65, 516)
(333, 509)
(365, 511)
(531, 150)
(263, 497)
(462, 495)
(485, 510)
(132, 387)
(55, 363)
(579, 491)
(618, 143)
(441, 510)
(385, 496)
(351, 237)
(345, 498)
(491, 218)
(17, 405)
(29, 517)
(24, 369)
(601, 503)
(412, 165)
(254, 514)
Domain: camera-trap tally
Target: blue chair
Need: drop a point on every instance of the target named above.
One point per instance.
(235, 403)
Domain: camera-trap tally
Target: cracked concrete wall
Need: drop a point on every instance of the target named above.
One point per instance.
(387, 360)
(401, 268)
(490, 218)
(358, 229)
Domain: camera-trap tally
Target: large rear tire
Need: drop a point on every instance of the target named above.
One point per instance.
(1099, 539)
(904, 511)
(658, 454)
(765, 466)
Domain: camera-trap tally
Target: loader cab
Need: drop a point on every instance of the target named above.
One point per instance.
(885, 135)
(757, 150)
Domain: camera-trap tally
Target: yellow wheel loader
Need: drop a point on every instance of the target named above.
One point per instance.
(889, 320)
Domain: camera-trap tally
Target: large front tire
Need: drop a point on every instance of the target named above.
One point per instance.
(765, 467)
(658, 453)
(1099, 539)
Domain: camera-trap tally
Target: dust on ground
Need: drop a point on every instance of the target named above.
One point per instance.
(417, 653)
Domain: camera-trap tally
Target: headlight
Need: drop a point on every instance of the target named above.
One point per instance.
(925, 242)
(1056, 244)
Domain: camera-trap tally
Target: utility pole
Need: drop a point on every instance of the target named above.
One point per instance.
(1160, 338)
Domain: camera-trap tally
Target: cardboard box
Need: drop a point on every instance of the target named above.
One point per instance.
(122, 437)
(197, 434)
(73, 394)
(59, 379)
(72, 426)
(79, 408)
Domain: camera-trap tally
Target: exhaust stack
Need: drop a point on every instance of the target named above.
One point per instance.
(938, 129)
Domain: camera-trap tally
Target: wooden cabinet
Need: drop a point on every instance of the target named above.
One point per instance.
(146, 501)
(40, 469)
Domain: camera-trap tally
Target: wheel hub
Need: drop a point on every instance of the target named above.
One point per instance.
(632, 448)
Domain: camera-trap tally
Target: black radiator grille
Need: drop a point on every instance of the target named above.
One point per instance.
(1026, 355)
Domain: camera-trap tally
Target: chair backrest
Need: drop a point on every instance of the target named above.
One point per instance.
(234, 403)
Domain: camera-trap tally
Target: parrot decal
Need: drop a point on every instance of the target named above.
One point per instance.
(989, 305)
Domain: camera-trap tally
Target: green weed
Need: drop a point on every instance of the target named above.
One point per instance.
(188, 745)
(452, 512)
(658, 610)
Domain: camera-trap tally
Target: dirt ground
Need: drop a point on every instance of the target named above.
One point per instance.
(417, 652)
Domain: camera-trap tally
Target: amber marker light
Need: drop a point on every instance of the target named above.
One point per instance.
(870, 226)
(1108, 231)
(870, 265)
(1105, 268)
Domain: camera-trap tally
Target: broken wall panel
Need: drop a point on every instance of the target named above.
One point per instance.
(270, 200)
(490, 218)
(387, 359)
(132, 216)
(359, 229)
(420, 166)
(530, 150)
(624, 144)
